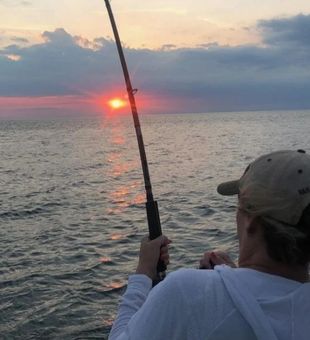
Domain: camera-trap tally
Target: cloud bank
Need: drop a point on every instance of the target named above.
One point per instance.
(273, 75)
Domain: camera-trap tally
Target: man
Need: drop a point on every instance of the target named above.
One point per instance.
(267, 297)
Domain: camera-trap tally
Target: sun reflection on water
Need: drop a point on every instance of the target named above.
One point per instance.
(105, 259)
(122, 161)
(116, 236)
(115, 285)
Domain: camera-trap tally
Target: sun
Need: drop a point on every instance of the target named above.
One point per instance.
(117, 103)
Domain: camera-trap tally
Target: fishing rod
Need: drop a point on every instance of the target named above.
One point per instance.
(151, 205)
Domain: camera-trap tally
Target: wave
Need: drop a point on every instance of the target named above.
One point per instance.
(28, 213)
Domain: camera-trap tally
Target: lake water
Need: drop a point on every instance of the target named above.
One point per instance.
(72, 207)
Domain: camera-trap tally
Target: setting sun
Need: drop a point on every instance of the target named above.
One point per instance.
(117, 103)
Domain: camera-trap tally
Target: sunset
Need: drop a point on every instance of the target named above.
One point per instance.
(117, 103)
(193, 58)
(155, 170)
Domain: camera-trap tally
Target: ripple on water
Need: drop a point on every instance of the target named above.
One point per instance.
(72, 207)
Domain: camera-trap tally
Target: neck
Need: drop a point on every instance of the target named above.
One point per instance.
(293, 272)
(254, 255)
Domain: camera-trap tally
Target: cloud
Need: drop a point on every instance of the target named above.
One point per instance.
(168, 46)
(20, 40)
(293, 31)
(59, 37)
(210, 77)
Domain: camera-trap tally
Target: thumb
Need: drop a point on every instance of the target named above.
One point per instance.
(161, 240)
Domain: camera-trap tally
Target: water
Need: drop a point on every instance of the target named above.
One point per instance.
(72, 212)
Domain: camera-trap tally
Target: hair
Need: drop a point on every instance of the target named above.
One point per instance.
(286, 243)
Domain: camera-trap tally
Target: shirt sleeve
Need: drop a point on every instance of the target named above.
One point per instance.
(136, 293)
(151, 316)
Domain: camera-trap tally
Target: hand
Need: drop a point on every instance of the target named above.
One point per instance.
(150, 253)
(213, 258)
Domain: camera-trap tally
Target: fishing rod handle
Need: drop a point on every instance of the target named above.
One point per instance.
(154, 228)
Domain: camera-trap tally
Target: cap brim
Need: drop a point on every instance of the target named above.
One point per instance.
(228, 188)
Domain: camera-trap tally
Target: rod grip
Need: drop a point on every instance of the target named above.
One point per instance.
(154, 228)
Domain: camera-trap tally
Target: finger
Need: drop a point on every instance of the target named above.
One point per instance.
(161, 240)
(207, 254)
(204, 265)
(164, 257)
(217, 259)
(164, 250)
(166, 262)
(223, 255)
(205, 262)
(226, 258)
(166, 241)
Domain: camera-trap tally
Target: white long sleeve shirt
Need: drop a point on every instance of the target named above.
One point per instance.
(218, 304)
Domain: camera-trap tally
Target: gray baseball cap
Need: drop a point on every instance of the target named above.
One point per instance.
(276, 185)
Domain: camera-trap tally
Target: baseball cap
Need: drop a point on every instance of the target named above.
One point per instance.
(275, 185)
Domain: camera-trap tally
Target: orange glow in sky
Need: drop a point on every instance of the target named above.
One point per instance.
(117, 103)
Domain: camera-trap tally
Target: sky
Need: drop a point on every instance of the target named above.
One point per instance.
(59, 57)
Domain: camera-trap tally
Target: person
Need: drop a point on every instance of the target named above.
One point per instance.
(267, 297)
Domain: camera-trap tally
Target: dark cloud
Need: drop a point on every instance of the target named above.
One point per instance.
(207, 78)
(294, 31)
